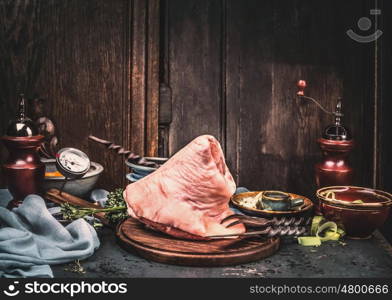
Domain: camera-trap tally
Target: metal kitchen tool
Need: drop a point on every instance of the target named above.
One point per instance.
(45, 126)
(263, 222)
(72, 164)
(141, 166)
(268, 232)
(270, 227)
(149, 163)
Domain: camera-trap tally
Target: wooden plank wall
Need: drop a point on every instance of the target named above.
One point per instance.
(194, 70)
(384, 105)
(233, 67)
(225, 67)
(89, 61)
(385, 98)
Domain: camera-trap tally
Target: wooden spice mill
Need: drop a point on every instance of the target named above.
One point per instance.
(23, 170)
(335, 144)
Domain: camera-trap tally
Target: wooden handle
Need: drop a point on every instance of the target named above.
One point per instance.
(301, 84)
(54, 195)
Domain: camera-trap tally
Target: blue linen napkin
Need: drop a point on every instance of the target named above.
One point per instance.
(5, 197)
(31, 239)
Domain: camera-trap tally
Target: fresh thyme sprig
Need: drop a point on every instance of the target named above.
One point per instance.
(116, 200)
(115, 209)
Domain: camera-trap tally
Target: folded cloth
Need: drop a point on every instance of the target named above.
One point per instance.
(241, 190)
(5, 197)
(31, 239)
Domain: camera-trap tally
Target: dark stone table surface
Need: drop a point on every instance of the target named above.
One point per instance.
(357, 258)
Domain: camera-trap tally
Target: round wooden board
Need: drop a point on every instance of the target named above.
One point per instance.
(136, 237)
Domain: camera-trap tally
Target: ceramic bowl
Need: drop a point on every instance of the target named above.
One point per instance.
(131, 177)
(77, 187)
(239, 201)
(358, 210)
(145, 170)
(279, 201)
(140, 171)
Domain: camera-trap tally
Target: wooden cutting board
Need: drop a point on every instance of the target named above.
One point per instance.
(135, 237)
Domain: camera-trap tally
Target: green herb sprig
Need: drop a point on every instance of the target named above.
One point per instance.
(115, 209)
(119, 208)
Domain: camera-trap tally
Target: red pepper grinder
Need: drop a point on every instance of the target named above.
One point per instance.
(335, 144)
(23, 170)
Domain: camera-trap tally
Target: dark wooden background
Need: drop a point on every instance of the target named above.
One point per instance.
(95, 64)
(152, 75)
(232, 67)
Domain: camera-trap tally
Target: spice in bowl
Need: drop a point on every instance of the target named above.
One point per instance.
(53, 174)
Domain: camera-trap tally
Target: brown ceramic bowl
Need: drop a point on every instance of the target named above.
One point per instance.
(361, 218)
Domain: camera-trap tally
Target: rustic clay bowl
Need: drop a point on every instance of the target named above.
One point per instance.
(359, 220)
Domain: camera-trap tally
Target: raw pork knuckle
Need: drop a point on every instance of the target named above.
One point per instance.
(189, 195)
